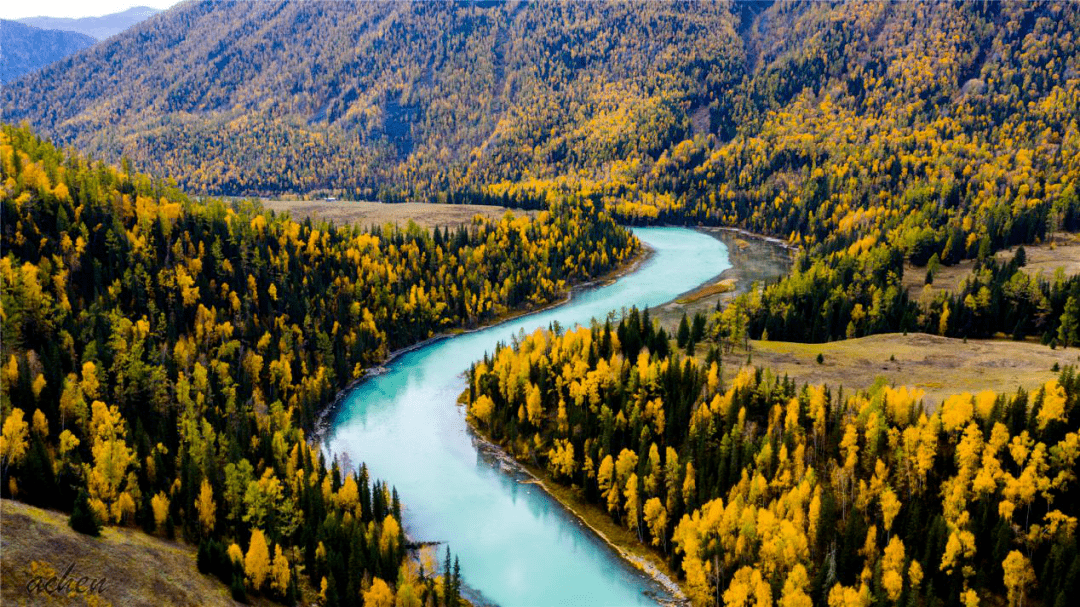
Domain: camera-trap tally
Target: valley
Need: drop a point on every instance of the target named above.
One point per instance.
(435, 304)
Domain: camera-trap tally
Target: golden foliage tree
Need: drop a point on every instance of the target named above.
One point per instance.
(257, 566)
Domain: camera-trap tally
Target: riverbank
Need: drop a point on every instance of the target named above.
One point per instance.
(322, 421)
(753, 258)
(619, 539)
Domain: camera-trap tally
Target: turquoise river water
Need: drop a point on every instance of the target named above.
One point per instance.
(517, 545)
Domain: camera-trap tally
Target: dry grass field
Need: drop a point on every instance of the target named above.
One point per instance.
(940, 366)
(1063, 253)
(138, 569)
(707, 290)
(427, 215)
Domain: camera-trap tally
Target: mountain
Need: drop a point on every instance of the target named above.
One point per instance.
(883, 141)
(361, 93)
(26, 48)
(716, 112)
(99, 28)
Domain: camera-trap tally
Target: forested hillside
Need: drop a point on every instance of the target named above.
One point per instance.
(868, 133)
(393, 97)
(759, 490)
(874, 133)
(164, 359)
(706, 110)
(944, 135)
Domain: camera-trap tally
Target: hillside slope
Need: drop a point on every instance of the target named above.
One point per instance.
(165, 359)
(137, 569)
(409, 99)
(363, 93)
(26, 48)
(869, 134)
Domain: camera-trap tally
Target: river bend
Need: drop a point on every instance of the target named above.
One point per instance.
(517, 545)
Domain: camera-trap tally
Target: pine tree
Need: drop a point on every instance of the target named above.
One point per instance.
(697, 328)
(202, 560)
(1070, 322)
(1020, 259)
(457, 581)
(682, 335)
(82, 517)
(448, 584)
(239, 594)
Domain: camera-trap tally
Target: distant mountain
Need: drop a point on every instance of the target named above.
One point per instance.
(99, 28)
(25, 49)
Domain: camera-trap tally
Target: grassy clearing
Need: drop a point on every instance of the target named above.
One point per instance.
(138, 569)
(1063, 253)
(723, 286)
(427, 215)
(947, 278)
(940, 366)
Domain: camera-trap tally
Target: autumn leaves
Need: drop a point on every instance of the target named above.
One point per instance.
(169, 356)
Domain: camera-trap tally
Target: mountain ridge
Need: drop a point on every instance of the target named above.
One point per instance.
(99, 28)
(26, 48)
(654, 107)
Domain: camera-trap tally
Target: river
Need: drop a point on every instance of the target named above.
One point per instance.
(517, 545)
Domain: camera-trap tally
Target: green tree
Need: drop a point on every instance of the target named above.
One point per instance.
(82, 517)
(1069, 324)
(682, 335)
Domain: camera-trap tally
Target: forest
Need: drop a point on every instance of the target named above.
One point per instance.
(165, 359)
(868, 134)
(938, 133)
(843, 297)
(760, 491)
